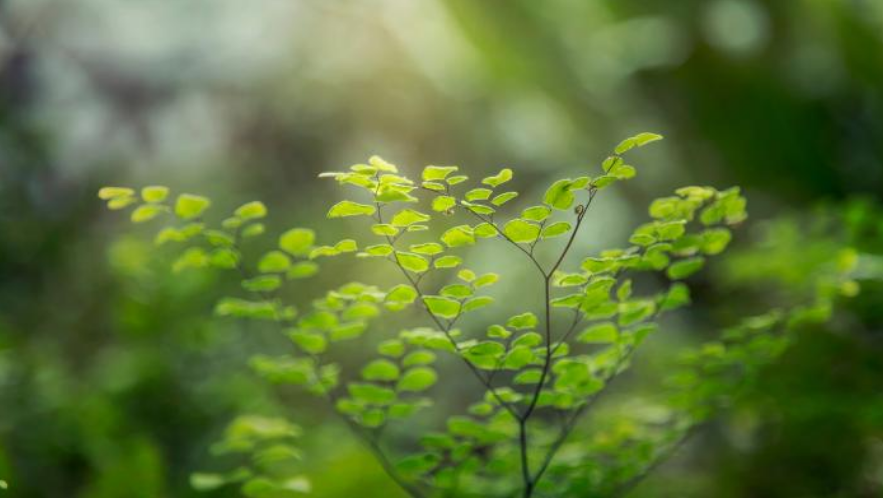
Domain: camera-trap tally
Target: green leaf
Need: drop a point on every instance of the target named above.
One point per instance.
(677, 296)
(412, 261)
(559, 195)
(479, 194)
(347, 331)
(486, 280)
(323, 251)
(623, 172)
(441, 306)
(536, 213)
(528, 377)
(634, 311)
(382, 165)
(443, 203)
(668, 231)
(604, 181)
(467, 275)
(460, 235)
(418, 464)
(313, 343)
(566, 280)
(501, 199)
(448, 261)
(224, 258)
(371, 394)
(380, 370)
(458, 179)
(384, 230)
(714, 241)
(203, 482)
(297, 242)
(521, 231)
(401, 293)
(636, 141)
(576, 377)
(427, 248)
(193, 258)
(504, 176)
(154, 193)
(518, 357)
(498, 331)
(529, 339)
(434, 186)
(243, 308)
(379, 250)
(610, 163)
(391, 348)
(555, 229)
(526, 320)
(262, 283)
(120, 202)
(456, 291)
(108, 193)
(302, 270)
(274, 261)
(477, 303)
(189, 206)
(485, 230)
(350, 209)
(252, 230)
(478, 209)
(408, 217)
(252, 210)
(219, 238)
(418, 358)
(417, 379)
(625, 290)
(605, 332)
(569, 301)
(147, 212)
(346, 246)
(487, 348)
(431, 173)
(642, 239)
(685, 268)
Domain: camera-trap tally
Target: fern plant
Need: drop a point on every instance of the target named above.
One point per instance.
(540, 371)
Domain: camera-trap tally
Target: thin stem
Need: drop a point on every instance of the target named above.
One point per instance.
(529, 481)
(370, 442)
(446, 329)
(527, 253)
(568, 427)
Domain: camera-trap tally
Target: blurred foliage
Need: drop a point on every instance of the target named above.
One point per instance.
(112, 380)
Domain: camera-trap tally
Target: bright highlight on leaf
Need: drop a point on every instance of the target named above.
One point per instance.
(521, 231)
(190, 206)
(350, 209)
(636, 141)
(252, 210)
(297, 242)
(154, 193)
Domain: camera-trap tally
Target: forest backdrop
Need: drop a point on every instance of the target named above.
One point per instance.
(114, 376)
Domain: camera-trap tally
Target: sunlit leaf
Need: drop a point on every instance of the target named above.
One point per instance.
(521, 231)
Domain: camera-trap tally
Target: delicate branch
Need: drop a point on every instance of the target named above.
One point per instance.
(372, 444)
(446, 329)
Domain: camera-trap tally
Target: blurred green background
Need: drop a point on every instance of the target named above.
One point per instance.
(114, 377)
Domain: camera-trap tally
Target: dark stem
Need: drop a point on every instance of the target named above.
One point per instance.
(370, 442)
(446, 329)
